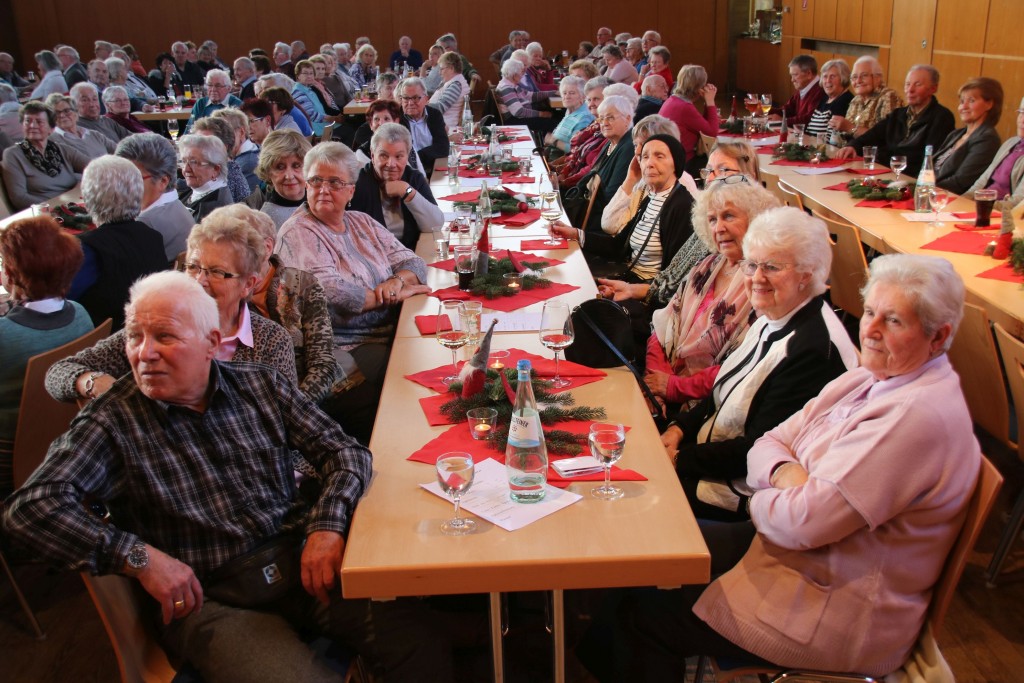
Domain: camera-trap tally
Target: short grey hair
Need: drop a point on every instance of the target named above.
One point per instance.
(68, 50)
(873, 64)
(595, 83)
(48, 60)
(333, 154)
(841, 67)
(257, 220)
(245, 63)
(55, 98)
(113, 90)
(104, 44)
(803, 238)
(217, 72)
(623, 90)
(520, 55)
(366, 49)
(390, 133)
(572, 81)
(211, 149)
(512, 70)
(283, 47)
(934, 288)
(219, 128)
(112, 189)
(77, 88)
(635, 43)
(386, 78)
(179, 287)
(931, 70)
(619, 104)
(7, 93)
(411, 82)
(115, 67)
(749, 198)
(222, 226)
(653, 81)
(153, 152)
(278, 145)
(654, 34)
(654, 124)
(535, 48)
(235, 118)
(612, 50)
(276, 80)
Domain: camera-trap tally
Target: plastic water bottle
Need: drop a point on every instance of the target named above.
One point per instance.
(467, 120)
(526, 457)
(925, 183)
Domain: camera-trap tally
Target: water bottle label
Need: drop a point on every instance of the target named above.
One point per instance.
(524, 429)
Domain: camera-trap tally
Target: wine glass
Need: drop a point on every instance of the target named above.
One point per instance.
(556, 333)
(751, 103)
(455, 475)
(766, 103)
(172, 127)
(607, 441)
(551, 211)
(938, 198)
(451, 334)
(897, 163)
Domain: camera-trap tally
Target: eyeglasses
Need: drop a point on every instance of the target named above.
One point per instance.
(194, 269)
(862, 77)
(734, 179)
(334, 184)
(769, 268)
(184, 163)
(256, 118)
(720, 171)
(63, 112)
(414, 98)
(607, 118)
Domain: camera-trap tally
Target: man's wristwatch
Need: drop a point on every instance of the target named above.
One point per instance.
(90, 384)
(405, 195)
(138, 558)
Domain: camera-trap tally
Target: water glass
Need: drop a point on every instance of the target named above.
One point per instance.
(455, 475)
(796, 132)
(607, 441)
(870, 154)
(471, 312)
(441, 243)
(898, 162)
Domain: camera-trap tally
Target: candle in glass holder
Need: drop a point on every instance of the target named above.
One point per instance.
(481, 422)
(513, 281)
(496, 361)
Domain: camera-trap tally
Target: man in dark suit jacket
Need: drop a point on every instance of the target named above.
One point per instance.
(74, 70)
(429, 134)
(189, 72)
(245, 76)
(654, 92)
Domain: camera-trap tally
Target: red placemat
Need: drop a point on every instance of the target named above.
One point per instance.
(468, 196)
(577, 374)
(902, 204)
(961, 243)
(971, 215)
(449, 264)
(765, 149)
(507, 303)
(427, 324)
(1003, 272)
(869, 171)
(829, 163)
(971, 227)
(519, 179)
(540, 245)
(841, 187)
(518, 220)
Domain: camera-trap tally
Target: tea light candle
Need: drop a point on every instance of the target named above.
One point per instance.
(481, 422)
(497, 360)
(513, 281)
(481, 430)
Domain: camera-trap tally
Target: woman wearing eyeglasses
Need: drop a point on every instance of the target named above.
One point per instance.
(788, 355)
(364, 269)
(204, 166)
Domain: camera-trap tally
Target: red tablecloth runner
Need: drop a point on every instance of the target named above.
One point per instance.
(449, 264)
(838, 186)
(755, 136)
(877, 170)
(507, 303)
(577, 374)
(970, 215)
(539, 244)
(902, 204)
(467, 196)
(1002, 272)
(828, 163)
(971, 227)
(961, 243)
(518, 220)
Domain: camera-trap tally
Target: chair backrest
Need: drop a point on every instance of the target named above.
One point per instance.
(789, 196)
(975, 358)
(328, 132)
(139, 656)
(980, 504)
(595, 187)
(34, 433)
(1012, 351)
(849, 266)
(494, 103)
(709, 143)
(6, 208)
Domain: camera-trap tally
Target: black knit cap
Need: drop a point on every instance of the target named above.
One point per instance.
(675, 148)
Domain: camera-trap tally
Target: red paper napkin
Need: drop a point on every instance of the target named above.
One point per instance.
(469, 196)
(961, 243)
(449, 264)
(540, 245)
(518, 220)
(869, 171)
(838, 186)
(902, 204)
(519, 179)
(577, 374)
(1003, 272)
(765, 149)
(427, 324)
(971, 215)
(971, 227)
(507, 303)
(828, 163)
(432, 409)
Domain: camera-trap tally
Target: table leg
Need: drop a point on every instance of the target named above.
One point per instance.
(496, 646)
(558, 618)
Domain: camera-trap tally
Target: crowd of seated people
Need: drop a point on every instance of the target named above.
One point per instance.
(296, 256)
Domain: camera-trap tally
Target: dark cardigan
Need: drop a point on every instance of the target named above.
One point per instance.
(367, 199)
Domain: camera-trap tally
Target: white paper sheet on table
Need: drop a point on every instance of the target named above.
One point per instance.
(819, 170)
(915, 217)
(512, 322)
(488, 498)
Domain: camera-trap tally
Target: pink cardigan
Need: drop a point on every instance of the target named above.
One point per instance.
(840, 574)
(691, 123)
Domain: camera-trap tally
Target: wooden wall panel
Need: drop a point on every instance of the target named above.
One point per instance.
(1009, 72)
(803, 17)
(876, 22)
(960, 25)
(825, 18)
(913, 23)
(849, 16)
(955, 70)
(1003, 37)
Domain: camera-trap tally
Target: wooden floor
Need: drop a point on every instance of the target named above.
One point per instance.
(983, 638)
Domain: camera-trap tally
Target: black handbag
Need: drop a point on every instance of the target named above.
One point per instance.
(604, 339)
(575, 204)
(260, 576)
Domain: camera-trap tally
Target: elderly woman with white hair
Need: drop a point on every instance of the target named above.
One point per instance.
(795, 347)
(243, 151)
(68, 133)
(586, 144)
(119, 109)
(577, 116)
(450, 97)
(52, 80)
(872, 99)
(539, 69)
(518, 104)
(857, 500)
(204, 166)
(834, 77)
(364, 269)
(138, 89)
(121, 249)
(391, 192)
(157, 160)
(222, 130)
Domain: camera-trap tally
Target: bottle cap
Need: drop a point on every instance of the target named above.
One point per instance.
(523, 364)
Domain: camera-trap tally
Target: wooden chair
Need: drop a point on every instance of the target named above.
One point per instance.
(709, 143)
(328, 132)
(6, 209)
(493, 105)
(849, 266)
(976, 359)
(33, 435)
(1012, 351)
(595, 188)
(978, 508)
(789, 196)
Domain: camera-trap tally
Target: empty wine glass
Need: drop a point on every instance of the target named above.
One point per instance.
(451, 333)
(556, 333)
(897, 163)
(938, 198)
(455, 475)
(607, 441)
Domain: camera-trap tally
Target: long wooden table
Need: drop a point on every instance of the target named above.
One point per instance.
(180, 114)
(395, 546)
